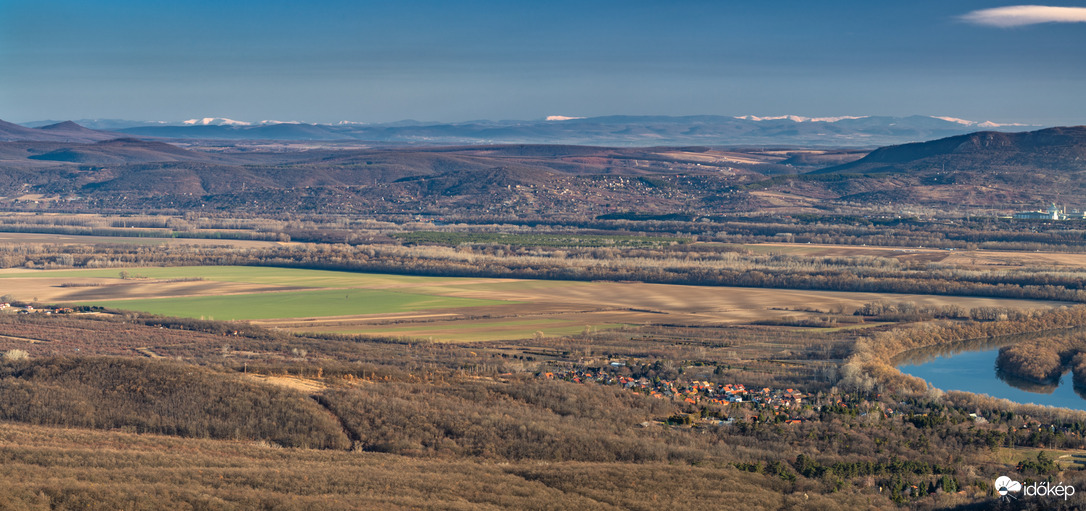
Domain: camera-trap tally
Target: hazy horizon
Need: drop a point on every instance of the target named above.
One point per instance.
(432, 61)
(197, 121)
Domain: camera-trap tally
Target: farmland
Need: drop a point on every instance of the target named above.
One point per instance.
(438, 308)
(546, 358)
(340, 302)
(528, 326)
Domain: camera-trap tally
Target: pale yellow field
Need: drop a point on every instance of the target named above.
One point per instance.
(1016, 259)
(784, 199)
(980, 259)
(53, 290)
(305, 385)
(716, 157)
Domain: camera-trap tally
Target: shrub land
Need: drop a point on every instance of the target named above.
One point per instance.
(603, 410)
(647, 396)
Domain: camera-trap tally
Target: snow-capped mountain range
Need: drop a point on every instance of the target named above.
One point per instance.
(985, 124)
(223, 121)
(619, 130)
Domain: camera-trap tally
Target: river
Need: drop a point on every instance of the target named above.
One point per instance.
(971, 367)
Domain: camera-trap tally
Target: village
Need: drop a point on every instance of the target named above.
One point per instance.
(29, 309)
(706, 402)
(783, 405)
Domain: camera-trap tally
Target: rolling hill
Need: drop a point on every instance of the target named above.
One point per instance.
(121, 151)
(985, 169)
(981, 169)
(60, 132)
(1056, 149)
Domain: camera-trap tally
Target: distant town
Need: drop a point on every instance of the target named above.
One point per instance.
(1052, 213)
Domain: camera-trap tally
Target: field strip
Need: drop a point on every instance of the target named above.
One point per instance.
(148, 352)
(23, 339)
(306, 385)
(473, 314)
(33, 237)
(233, 293)
(363, 317)
(296, 304)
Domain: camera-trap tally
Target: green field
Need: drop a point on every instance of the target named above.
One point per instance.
(250, 274)
(294, 304)
(329, 293)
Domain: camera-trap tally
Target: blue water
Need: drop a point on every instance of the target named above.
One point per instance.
(975, 371)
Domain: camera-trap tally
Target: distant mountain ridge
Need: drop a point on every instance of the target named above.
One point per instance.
(66, 131)
(1062, 148)
(985, 168)
(121, 151)
(616, 130)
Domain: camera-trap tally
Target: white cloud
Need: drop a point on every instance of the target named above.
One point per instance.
(1019, 15)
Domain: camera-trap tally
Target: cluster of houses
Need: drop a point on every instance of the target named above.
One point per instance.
(784, 405)
(692, 392)
(29, 309)
(1052, 213)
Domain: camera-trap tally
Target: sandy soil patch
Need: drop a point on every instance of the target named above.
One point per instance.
(986, 258)
(783, 199)
(715, 157)
(306, 385)
(148, 352)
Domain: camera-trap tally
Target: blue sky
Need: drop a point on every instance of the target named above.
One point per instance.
(326, 61)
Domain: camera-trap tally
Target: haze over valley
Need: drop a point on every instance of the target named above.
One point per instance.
(617, 130)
